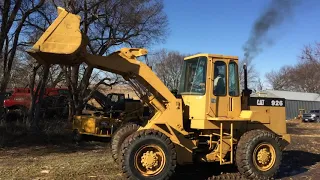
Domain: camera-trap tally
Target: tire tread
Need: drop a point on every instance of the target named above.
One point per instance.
(242, 150)
(118, 138)
(142, 134)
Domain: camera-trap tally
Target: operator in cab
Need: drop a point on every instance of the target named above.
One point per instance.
(219, 83)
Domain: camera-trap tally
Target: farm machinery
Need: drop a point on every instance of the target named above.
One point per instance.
(18, 101)
(209, 120)
(104, 114)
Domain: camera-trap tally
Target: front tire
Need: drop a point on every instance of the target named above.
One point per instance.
(119, 136)
(258, 154)
(149, 155)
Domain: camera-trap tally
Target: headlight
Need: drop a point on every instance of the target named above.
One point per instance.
(313, 115)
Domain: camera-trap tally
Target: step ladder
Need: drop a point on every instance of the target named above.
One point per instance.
(222, 137)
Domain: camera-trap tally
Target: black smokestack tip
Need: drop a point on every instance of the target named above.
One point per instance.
(276, 12)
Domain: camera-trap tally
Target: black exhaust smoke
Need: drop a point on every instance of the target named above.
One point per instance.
(275, 14)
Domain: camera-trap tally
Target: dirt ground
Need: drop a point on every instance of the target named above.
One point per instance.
(54, 159)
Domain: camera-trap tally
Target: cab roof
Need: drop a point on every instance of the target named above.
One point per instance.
(213, 56)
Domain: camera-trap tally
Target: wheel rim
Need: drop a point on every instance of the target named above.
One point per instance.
(150, 160)
(264, 156)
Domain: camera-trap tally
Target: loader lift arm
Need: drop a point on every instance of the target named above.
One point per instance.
(63, 43)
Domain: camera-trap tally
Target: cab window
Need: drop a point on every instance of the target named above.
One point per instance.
(219, 83)
(193, 79)
(233, 79)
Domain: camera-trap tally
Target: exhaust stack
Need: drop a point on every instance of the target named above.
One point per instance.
(245, 77)
(246, 91)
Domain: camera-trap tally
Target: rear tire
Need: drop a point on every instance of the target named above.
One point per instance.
(119, 136)
(148, 154)
(258, 154)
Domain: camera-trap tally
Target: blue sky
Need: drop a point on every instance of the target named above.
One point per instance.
(222, 27)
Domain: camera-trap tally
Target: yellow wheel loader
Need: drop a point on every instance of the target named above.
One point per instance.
(208, 121)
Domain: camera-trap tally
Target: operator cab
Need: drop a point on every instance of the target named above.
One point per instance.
(209, 87)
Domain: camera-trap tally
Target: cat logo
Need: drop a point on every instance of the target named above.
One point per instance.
(260, 102)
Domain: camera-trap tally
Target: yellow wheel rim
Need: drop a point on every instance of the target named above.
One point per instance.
(150, 160)
(264, 156)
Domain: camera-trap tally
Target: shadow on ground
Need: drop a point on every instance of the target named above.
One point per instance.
(293, 163)
(203, 171)
(296, 162)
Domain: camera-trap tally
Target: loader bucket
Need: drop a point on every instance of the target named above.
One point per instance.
(62, 42)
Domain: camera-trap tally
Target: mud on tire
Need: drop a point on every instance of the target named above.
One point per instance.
(135, 148)
(119, 136)
(252, 143)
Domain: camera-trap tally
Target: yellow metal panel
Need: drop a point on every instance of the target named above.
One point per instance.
(204, 124)
(172, 118)
(260, 114)
(89, 125)
(246, 114)
(272, 117)
(221, 106)
(287, 138)
(196, 105)
(277, 120)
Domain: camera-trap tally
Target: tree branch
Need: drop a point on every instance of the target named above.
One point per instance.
(101, 82)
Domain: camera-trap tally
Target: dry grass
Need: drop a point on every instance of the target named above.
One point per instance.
(91, 161)
(51, 154)
(14, 133)
(59, 158)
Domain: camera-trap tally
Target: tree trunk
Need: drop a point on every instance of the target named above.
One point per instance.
(82, 89)
(6, 24)
(4, 82)
(71, 110)
(39, 97)
(33, 94)
(71, 75)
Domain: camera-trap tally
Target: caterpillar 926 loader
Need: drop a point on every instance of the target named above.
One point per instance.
(209, 120)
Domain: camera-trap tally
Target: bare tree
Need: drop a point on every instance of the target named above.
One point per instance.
(13, 17)
(55, 76)
(109, 25)
(303, 76)
(252, 73)
(168, 66)
(279, 80)
(259, 85)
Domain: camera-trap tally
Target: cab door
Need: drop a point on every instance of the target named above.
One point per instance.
(234, 104)
(219, 100)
